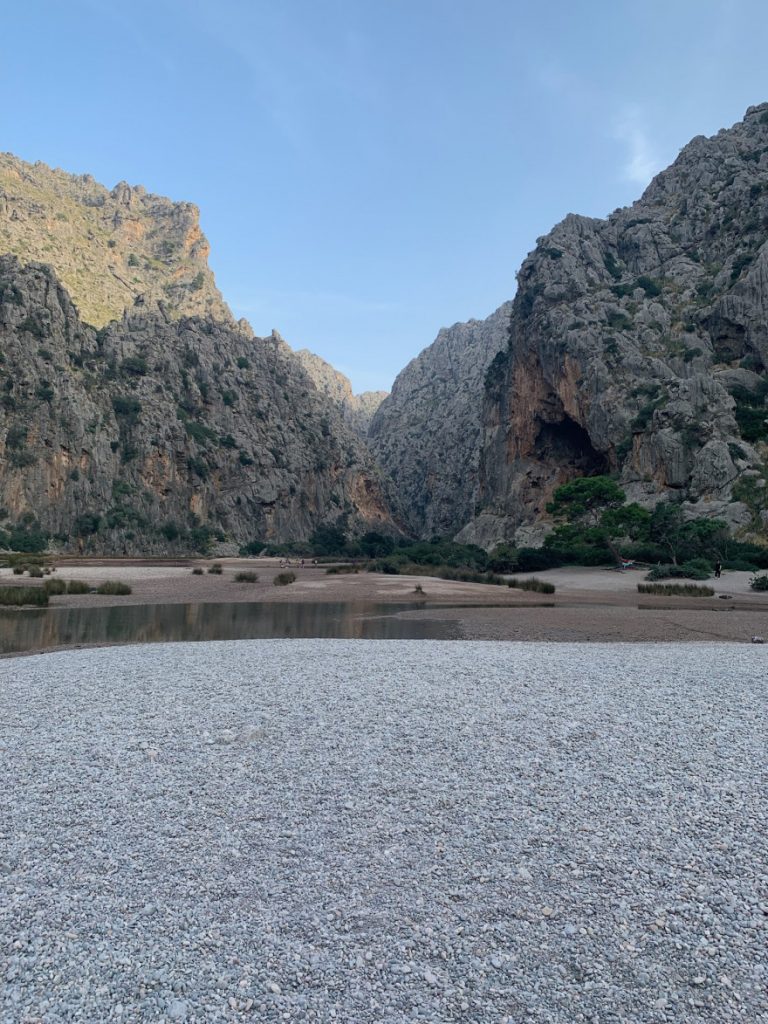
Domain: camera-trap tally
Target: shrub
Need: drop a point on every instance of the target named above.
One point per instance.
(695, 569)
(216, 569)
(340, 570)
(199, 433)
(24, 595)
(197, 571)
(136, 365)
(537, 559)
(19, 570)
(389, 568)
(28, 541)
(537, 585)
(503, 558)
(759, 582)
(126, 408)
(86, 523)
(55, 586)
(248, 577)
(170, 530)
(36, 572)
(675, 589)
(78, 587)
(284, 578)
(113, 587)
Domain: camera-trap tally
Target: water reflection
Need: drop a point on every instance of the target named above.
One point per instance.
(41, 628)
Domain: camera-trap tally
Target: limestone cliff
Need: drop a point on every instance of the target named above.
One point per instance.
(357, 410)
(154, 433)
(639, 345)
(107, 247)
(427, 434)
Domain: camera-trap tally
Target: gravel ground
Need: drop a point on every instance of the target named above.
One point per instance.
(385, 831)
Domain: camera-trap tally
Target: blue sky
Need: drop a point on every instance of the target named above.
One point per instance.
(369, 171)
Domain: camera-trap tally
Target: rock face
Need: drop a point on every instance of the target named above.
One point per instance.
(356, 410)
(638, 345)
(107, 247)
(427, 434)
(155, 432)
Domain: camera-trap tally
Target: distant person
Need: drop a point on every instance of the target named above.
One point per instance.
(718, 570)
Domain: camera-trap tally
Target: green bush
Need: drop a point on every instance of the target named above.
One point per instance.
(19, 570)
(759, 582)
(216, 569)
(55, 586)
(36, 572)
(113, 587)
(247, 577)
(135, 365)
(197, 571)
(126, 408)
(24, 595)
(503, 558)
(539, 586)
(78, 587)
(284, 578)
(695, 569)
(675, 589)
(538, 559)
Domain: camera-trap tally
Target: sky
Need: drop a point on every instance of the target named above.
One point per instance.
(369, 171)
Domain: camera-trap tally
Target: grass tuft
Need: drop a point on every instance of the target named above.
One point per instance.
(284, 578)
(216, 569)
(675, 589)
(55, 586)
(246, 577)
(114, 587)
(78, 587)
(535, 584)
(24, 595)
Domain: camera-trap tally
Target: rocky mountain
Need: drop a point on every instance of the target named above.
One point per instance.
(155, 432)
(356, 410)
(638, 345)
(427, 434)
(107, 247)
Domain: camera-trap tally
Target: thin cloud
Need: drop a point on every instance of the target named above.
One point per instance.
(641, 160)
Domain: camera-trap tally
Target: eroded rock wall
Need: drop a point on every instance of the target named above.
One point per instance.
(112, 439)
(633, 343)
(427, 434)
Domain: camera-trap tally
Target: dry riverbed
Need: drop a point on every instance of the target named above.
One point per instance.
(589, 604)
(376, 832)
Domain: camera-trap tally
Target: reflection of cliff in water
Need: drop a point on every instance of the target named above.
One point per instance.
(41, 628)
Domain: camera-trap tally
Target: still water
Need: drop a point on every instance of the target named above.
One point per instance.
(43, 628)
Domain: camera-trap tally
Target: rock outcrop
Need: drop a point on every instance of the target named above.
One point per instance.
(357, 410)
(427, 434)
(155, 433)
(107, 247)
(639, 345)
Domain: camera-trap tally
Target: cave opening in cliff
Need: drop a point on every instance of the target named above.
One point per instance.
(568, 444)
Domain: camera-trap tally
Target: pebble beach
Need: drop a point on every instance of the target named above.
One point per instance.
(385, 831)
